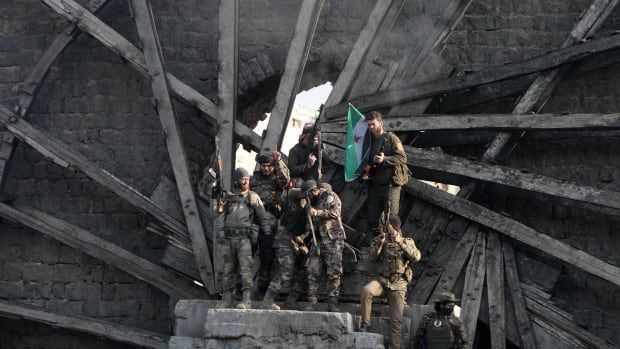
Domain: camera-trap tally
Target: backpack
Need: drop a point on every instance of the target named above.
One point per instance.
(402, 174)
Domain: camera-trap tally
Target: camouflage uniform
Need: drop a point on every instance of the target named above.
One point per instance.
(269, 189)
(331, 236)
(241, 210)
(392, 260)
(381, 187)
(292, 223)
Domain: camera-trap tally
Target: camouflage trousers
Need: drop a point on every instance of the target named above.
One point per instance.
(290, 274)
(328, 263)
(236, 259)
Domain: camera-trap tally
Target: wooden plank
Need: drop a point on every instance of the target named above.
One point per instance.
(371, 73)
(34, 80)
(422, 161)
(457, 262)
(227, 86)
(515, 230)
(512, 277)
(293, 71)
(409, 93)
(104, 329)
(37, 75)
(103, 250)
(147, 31)
(544, 84)
(111, 39)
(436, 256)
(474, 284)
(425, 63)
(430, 122)
(429, 160)
(495, 290)
(63, 156)
(558, 318)
(366, 48)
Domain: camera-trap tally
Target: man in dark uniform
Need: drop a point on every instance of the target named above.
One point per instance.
(290, 252)
(392, 254)
(243, 207)
(325, 211)
(268, 183)
(441, 329)
(302, 158)
(387, 163)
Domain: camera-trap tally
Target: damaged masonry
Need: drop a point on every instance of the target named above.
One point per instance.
(118, 117)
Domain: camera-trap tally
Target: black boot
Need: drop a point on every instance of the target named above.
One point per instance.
(332, 305)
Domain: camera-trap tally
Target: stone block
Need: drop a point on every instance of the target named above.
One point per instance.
(229, 323)
(177, 342)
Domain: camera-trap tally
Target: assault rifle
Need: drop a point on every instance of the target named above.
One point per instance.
(217, 193)
(315, 242)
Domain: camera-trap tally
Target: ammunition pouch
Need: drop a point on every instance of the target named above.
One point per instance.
(237, 233)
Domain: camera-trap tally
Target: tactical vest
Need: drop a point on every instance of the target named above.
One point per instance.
(439, 333)
(392, 261)
(239, 216)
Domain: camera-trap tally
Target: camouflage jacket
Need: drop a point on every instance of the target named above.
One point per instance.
(328, 219)
(395, 155)
(269, 188)
(392, 259)
(293, 219)
(459, 333)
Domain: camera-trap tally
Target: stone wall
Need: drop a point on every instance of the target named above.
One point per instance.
(98, 105)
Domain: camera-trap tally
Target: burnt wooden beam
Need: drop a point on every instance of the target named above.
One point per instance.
(358, 83)
(474, 285)
(430, 122)
(109, 330)
(365, 49)
(436, 259)
(528, 341)
(109, 253)
(544, 84)
(454, 266)
(30, 86)
(556, 317)
(515, 230)
(111, 39)
(227, 86)
(64, 156)
(147, 31)
(35, 79)
(547, 61)
(293, 71)
(435, 161)
(423, 63)
(495, 290)
(595, 199)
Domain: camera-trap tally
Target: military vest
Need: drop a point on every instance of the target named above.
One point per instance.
(393, 262)
(439, 333)
(239, 213)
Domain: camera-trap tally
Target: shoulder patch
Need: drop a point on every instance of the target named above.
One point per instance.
(329, 199)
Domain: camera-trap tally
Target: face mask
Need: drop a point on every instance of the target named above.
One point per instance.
(447, 311)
